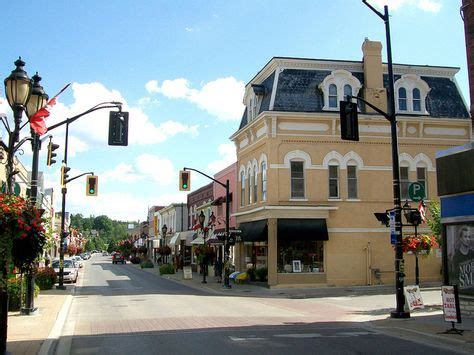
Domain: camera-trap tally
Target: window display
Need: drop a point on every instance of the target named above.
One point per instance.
(309, 253)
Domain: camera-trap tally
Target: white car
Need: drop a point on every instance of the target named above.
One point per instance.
(70, 270)
(78, 260)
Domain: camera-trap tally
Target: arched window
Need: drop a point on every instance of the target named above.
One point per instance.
(250, 189)
(332, 96)
(352, 181)
(255, 185)
(263, 177)
(297, 179)
(333, 181)
(416, 100)
(404, 182)
(402, 99)
(421, 178)
(347, 91)
(242, 188)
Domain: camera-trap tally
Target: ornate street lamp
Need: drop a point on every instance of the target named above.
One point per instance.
(164, 231)
(201, 219)
(37, 100)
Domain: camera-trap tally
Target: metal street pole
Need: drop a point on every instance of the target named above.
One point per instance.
(399, 312)
(226, 238)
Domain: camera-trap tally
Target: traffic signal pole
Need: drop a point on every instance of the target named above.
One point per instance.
(227, 222)
(63, 235)
(399, 312)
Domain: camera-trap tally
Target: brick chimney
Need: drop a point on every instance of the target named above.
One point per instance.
(468, 17)
(374, 91)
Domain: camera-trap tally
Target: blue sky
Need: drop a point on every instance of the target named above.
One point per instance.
(180, 68)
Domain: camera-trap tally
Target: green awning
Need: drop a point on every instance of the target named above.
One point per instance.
(256, 231)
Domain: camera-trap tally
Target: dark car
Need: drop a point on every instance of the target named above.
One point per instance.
(118, 258)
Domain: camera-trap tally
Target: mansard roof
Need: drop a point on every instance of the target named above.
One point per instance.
(297, 81)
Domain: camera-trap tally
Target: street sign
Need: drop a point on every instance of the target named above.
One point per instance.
(393, 235)
(416, 191)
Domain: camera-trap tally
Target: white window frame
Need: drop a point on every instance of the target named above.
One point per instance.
(340, 78)
(411, 82)
(292, 197)
(250, 189)
(255, 184)
(263, 179)
(355, 180)
(242, 188)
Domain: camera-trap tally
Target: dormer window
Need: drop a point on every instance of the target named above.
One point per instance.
(337, 86)
(253, 104)
(412, 92)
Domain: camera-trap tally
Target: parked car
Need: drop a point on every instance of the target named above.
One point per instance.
(70, 270)
(118, 258)
(78, 260)
(104, 253)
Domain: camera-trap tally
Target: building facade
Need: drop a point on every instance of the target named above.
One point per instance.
(306, 198)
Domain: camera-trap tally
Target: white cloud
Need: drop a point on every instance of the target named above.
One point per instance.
(228, 156)
(221, 98)
(93, 127)
(160, 170)
(424, 5)
(121, 173)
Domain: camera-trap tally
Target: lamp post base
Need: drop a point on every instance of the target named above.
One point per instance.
(28, 311)
(60, 287)
(399, 315)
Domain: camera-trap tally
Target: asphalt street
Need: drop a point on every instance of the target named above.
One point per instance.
(120, 309)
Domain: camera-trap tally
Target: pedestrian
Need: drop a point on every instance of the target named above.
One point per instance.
(218, 269)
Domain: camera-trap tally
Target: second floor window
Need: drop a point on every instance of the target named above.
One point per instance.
(421, 178)
(250, 189)
(332, 95)
(255, 185)
(404, 182)
(352, 181)
(297, 179)
(263, 176)
(333, 181)
(416, 100)
(242, 189)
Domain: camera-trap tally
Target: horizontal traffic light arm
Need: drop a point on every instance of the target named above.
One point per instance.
(200, 172)
(375, 108)
(78, 176)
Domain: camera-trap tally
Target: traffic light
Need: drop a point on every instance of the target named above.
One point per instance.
(413, 217)
(118, 128)
(184, 180)
(92, 185)
(64, 175)
(51, 155)
(349, 121)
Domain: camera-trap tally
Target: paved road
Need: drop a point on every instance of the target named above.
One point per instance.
(119, 309)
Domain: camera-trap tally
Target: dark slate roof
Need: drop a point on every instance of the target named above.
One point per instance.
(297, 91)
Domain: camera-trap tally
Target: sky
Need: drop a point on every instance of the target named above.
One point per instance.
(180, 68)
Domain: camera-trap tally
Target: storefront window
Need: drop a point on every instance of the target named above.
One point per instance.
(300, 255)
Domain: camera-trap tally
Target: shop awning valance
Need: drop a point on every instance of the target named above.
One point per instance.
(256, 231)
(198, 241)
(302, 229)
(174, 240)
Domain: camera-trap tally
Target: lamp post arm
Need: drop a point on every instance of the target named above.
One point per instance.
(374, 10)
(375, 108)
(78, 176)
(95, 108)
(21, 143)
(200, 172)
(3, 117)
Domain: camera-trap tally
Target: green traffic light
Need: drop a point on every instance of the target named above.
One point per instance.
(91, 191)
(185, 186)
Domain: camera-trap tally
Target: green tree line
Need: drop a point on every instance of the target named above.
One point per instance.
(101, 232)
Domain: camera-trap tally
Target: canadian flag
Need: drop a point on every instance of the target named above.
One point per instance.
(37, 122)
(422, 210)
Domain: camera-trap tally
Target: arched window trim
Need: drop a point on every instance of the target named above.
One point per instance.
(410, 82)
(340, 78)
(263, 179)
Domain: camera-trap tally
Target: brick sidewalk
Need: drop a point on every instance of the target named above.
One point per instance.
(26, 334)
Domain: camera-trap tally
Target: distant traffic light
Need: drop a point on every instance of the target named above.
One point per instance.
(118, 128)
(92, 185)
(349, 121)
(51, 155)
(64, 175)
(184, 180)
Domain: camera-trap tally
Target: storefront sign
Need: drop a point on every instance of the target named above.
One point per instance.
(187, 273)
(451, 309)
(413, 297)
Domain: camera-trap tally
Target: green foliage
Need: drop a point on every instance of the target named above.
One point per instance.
(166, 269)
(262, 274)
(147, 264)
(45, 278)
(14, 289)
(434, 220)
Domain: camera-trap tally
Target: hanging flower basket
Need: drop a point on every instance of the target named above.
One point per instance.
(421, 244)
(22, 235)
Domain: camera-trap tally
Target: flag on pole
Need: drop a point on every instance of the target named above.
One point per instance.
(37, 122)
(422, 210)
